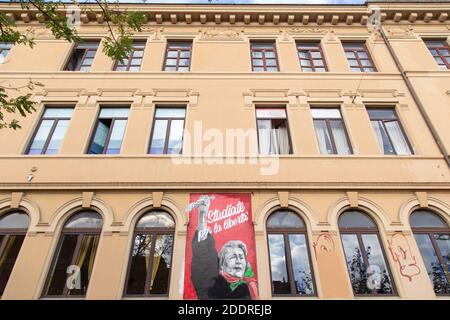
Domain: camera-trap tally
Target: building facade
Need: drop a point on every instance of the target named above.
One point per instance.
(344, 116)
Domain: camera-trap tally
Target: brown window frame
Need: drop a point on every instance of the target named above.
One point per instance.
(80, 233)
(438, 49)
(153, 232)
(6, 233)
(430, 232)
(263, 51)
(291, 147)
(130, 57)
(171, 46)
(52, 130)
(383, 120)
(169, 123)
(330, 132)
(359, 232)
(309, 53)
(357, 57)
(287, 252)
(86, 50)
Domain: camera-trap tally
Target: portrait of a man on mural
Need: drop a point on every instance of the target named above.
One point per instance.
(220, 250)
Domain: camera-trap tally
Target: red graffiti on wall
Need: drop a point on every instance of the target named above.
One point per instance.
(324, 243)
(401, 253)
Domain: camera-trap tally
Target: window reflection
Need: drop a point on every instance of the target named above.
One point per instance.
(432, 235)
(289, 255)
(168, 128)
(151, 255)
(366, 264)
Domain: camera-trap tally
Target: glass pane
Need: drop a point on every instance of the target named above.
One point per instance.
(98, 143)
(264, 133)
(277, 253)
(279, 137)
(316, 55)
(136, 62)
(8, 258)
(366, 63)
(426, 219)
(90, 53)
(350, 55)
(443, 242)
(323, 137)
(57, 137)
(272, 69)
(156, 219)
(439, 60)
(115, 140)
(262, 45)
(279, 113)
(159, 137)
(379, 278)
(308, 69)
(356, 70)
(183, 69)
(271, 62)
(397, 137)
(382, 137)
(121, 68)
(138, 54)
(369, 70)
(162, 263)
(321, 70)
(432, 263)
(258, 69)
(172, 54)
(340, 137)
(84, 220)
(14, 220)
(300, 264)
(285, 219)
(270, 54)
(139, 264)
(257, 62)
(175, 137)
(58, 113)
(114, 113)
(444, 52)
(355, 264)
(170, 112)
(353, 63)
(87, 61)
(185, 54)
(58, 278)
(325, 113)
(134, 69)
(363, 55)
(257, 54)
(82, 269)
(318, 63)
(385, 114)
(305, 63)
(171, 62)
(355, 219)
(184, 62)
(41, 137)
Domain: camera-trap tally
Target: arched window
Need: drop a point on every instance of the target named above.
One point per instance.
(151, 255)
(74, 258)
(364, 255)
(13, 228)
(290, 264)
(433, 238)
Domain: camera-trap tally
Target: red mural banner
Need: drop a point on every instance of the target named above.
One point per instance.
(220, 258)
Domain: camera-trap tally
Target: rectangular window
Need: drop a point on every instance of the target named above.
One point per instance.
(82, 56)
(440, 50)
(4, 50)
(264, 56)
(273, 134)
(178, 56)
(168, 127)
(330, 130)
(109, 132)
(134, 61)
(358, 57)
(311, 57)
(389, 132)
(51, 131)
